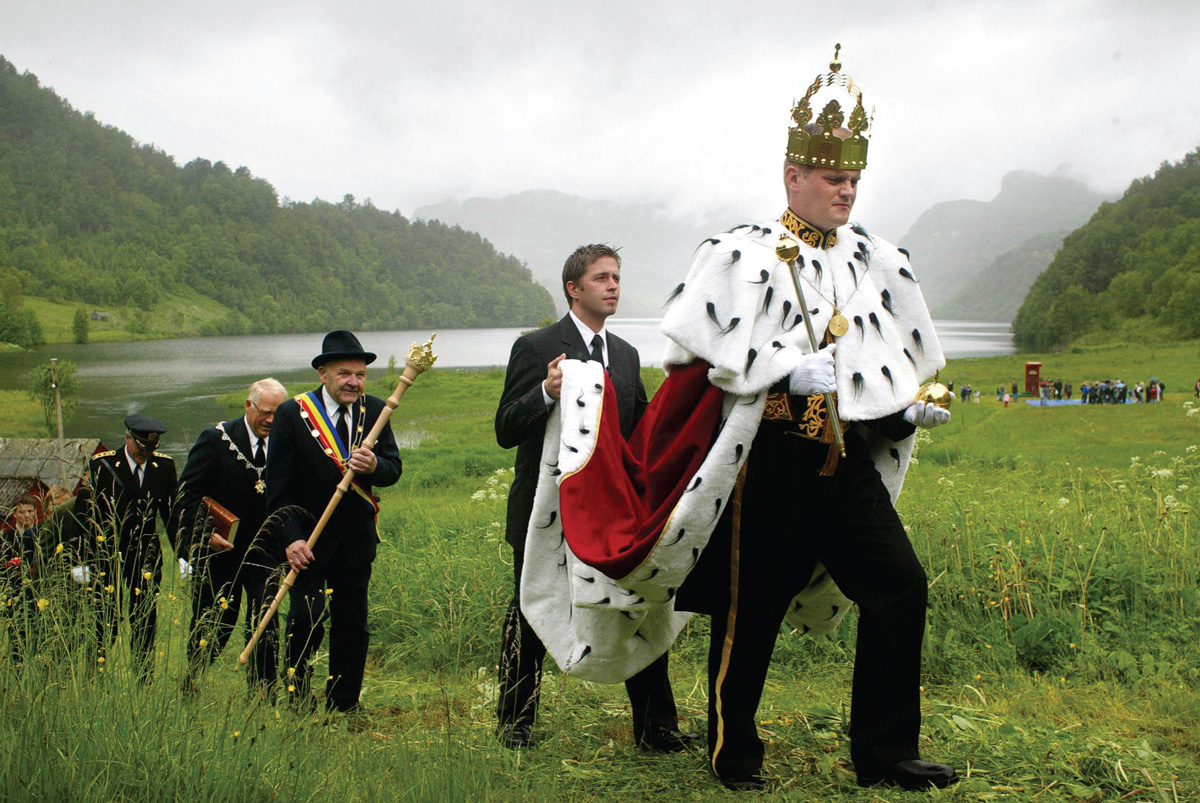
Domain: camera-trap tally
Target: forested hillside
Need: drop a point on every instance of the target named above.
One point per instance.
(88, 215)
(1131, 272)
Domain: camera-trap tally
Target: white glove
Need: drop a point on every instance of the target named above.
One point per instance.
(814, 374)
(185, 569)
(925, 415)
(82, 574)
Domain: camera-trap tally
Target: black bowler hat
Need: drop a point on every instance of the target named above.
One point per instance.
(144, 429)
(341, 345)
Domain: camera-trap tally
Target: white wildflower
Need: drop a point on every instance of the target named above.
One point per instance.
(1063, 501)
(1191, 448)
(1162, 472)
(1170, 501)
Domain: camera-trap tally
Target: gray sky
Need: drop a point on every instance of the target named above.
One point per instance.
(688, 103)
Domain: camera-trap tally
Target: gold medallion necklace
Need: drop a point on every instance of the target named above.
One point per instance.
(811, 235)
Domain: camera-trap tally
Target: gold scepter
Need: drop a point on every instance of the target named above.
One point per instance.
(420, 358)
(787, 250)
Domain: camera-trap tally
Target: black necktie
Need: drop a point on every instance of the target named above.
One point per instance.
(597, 349)
(260, 459)
(138, 473)
(343, 427)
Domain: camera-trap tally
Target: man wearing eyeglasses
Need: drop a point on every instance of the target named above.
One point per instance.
(228, 466)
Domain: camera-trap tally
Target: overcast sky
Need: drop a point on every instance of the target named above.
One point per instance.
(687, 103)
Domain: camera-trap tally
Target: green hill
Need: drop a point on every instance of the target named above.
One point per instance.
(91, 217)
(1131, 273)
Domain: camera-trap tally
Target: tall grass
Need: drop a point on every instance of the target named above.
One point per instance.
(1060, 662)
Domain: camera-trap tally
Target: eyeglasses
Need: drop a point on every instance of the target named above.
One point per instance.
(262, 412)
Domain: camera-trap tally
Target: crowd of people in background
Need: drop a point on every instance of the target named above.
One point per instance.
(1093, 391)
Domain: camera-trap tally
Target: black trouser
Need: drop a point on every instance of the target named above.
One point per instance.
(130, 579)
(221, 580)
(345, 607)
(522, 652)
(786, 518)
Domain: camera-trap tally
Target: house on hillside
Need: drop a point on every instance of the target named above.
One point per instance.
(34, 465)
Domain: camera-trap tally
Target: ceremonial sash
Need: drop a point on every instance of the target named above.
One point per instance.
(312, 413)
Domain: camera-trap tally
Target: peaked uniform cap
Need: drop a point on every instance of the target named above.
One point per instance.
(144, 429)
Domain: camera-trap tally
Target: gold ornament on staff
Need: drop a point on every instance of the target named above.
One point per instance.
(936, 393)
(419, 359)
(788, 250)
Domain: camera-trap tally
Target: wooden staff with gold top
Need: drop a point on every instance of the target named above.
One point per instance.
(788, 250)
(420, 358)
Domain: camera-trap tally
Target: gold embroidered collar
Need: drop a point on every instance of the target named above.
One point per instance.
(807, 233)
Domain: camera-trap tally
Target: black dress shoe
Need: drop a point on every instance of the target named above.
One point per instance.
(910, 774)
(515, 735)
(747, 783)
(667, 740)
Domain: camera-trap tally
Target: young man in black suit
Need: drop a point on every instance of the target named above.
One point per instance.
(315, 436)
(228, 464)
(592, 284)
(129, 488)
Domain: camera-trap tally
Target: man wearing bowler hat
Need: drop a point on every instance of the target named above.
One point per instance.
(122, 559)
(315, 437)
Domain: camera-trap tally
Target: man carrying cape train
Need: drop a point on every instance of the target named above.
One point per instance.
(733, 497)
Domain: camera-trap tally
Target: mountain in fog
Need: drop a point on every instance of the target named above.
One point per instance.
(955, 243)
(543, 227)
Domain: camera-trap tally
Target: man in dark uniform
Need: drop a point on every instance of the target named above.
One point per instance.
(315, 437)
(227, 465)
(592, 284)
(130, 487)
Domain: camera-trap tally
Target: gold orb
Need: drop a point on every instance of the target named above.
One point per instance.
(787, 250)
(935, 393)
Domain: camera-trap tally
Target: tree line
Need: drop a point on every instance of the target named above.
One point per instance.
(90, 216)
(1132, 269)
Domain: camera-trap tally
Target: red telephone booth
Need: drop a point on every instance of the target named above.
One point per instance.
(1033, 377)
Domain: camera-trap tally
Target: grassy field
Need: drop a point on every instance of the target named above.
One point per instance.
(172, 316)
(1061, 660)
(20, 416)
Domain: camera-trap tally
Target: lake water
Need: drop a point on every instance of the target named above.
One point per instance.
(177, 381)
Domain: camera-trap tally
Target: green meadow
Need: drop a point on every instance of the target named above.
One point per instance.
(1062, 658)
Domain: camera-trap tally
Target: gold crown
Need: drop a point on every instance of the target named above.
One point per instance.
(825, 148)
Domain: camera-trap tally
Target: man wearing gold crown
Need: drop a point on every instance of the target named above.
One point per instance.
(734, 497)
(798, 499)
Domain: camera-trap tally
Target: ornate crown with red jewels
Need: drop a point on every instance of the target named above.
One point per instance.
(820, 145)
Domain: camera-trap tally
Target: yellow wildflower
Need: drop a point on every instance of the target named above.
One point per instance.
(58, 549)
(203, 642)
(291, 687)
(99, 539)
(146, 575)
(42, 603)
(291, 671)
